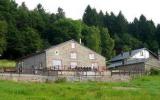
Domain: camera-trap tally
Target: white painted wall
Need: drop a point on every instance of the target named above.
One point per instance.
(139, 56)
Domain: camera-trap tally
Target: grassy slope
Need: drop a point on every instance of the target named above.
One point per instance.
(7, 63)
(146, 88)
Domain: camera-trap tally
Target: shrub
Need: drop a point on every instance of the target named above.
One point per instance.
(60, 80)
(154, 71)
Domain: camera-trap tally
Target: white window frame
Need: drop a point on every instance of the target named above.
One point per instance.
(91, 56)
(94, 65)
(73, 64)
(73, 45)
(73, 55)
(56, 66)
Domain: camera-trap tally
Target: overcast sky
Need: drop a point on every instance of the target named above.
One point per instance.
(75, 8)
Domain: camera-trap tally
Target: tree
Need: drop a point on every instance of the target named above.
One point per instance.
(22, 19)
(60, 14)
(122, 24)
(91, 38)
(90, 16)
(3, 30)
(63, 30)
(126, 42)
(107, 44)
(21, 43)
(110, 23)
(32, 40)
(101, 19)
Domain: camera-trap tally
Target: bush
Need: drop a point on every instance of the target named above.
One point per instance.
(154, 71)
(60, 80)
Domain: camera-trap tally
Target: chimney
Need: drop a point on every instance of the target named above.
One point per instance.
(130, 53)
(80, 41)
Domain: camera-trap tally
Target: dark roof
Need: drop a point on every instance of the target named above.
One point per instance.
(118, 60)
(126, 55)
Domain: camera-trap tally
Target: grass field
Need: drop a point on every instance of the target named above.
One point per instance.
(145, 88)
(7, 63)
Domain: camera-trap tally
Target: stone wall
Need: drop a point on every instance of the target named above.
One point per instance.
(39, 78)
(152, 63)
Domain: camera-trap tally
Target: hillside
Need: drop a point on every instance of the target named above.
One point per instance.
(144, 88)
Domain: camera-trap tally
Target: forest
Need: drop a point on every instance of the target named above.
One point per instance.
(24, 31)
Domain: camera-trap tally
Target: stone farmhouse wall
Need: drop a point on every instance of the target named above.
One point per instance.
(152, 63)
(64, 50)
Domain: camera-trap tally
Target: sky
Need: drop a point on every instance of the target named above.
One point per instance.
(75, 8)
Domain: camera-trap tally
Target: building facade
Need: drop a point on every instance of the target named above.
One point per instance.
(67, 55)
(137, 60)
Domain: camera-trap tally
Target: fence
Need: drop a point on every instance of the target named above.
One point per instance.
(52, 74)
(67, 71)
(7, 70)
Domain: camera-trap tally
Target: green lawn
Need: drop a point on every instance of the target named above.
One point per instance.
(7, 63)
(145, 88)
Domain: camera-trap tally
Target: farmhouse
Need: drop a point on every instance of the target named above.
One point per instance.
(137, 60)
(68, 55)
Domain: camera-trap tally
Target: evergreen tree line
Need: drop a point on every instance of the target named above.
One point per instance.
(127, 35)
(24, 31)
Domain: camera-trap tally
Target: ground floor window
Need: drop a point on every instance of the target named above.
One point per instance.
(56, 64)
(73, 64)
(94, 65)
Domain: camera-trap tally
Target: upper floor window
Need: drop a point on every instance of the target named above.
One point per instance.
(73, 55)
(91, 56)
(73, 45)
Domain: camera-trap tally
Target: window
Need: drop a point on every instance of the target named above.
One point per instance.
(73, 55)
(94, 65)
(91, 56)
(57, 64)
(73, 45)
(73, 64)
(56, 52)
(141, 53)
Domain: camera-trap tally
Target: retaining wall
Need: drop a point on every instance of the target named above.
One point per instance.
(39, 78)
